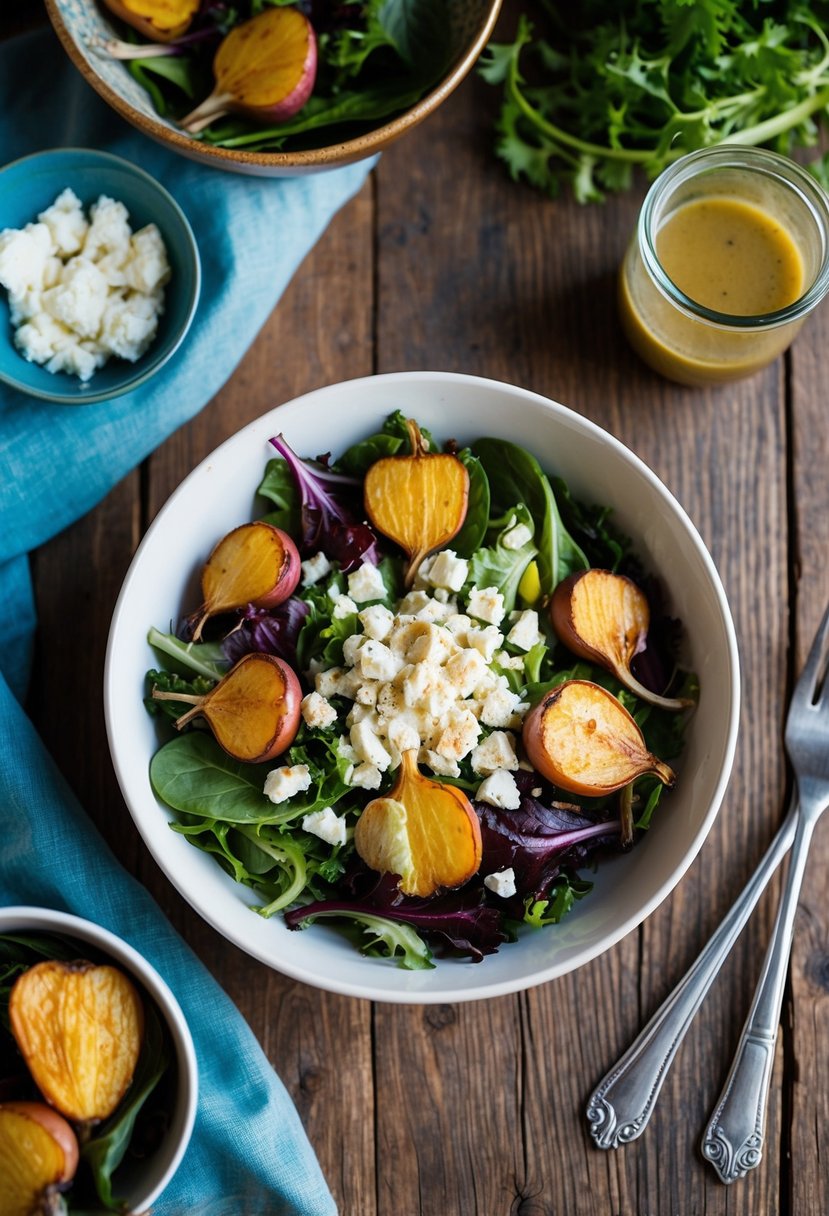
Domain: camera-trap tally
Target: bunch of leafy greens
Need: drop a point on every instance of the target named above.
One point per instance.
(134, 1128)
(593, 91)
(376, 58)
(219, 803)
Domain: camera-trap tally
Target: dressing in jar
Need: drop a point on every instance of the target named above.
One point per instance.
(730, 255)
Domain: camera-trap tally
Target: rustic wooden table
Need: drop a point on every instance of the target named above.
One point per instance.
(477, 1109)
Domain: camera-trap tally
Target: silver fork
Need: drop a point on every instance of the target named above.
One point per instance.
(621, 1105)
(733, 1141)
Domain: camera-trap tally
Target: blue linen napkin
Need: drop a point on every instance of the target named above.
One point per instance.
(249, 1155)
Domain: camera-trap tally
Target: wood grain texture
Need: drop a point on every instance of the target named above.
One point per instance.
(807, 1023)
(477, 1109)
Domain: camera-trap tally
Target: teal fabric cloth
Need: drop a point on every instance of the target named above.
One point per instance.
(249, 1155)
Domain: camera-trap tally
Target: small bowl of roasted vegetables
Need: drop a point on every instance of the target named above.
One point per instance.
(274, 89)
(422, 688)
(98, 1080)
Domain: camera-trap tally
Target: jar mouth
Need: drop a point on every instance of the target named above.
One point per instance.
(761, 162)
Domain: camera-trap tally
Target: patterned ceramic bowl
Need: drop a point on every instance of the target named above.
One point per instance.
(82, 26)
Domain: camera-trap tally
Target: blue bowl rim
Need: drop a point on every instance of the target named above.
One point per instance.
(141, 375)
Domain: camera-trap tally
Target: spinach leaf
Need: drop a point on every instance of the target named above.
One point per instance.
(193, 774)
(604, 546)
(358, 459)
(473, 531)
(515, 476)
(500, 566)
(105, 1152)
(419, 30)
(278, 485)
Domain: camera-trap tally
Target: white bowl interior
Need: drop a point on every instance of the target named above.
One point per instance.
(140, 1185)
(219, 494)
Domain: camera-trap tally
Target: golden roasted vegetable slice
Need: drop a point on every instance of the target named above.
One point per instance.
(254, 564)
(253, 711)
(79, 1027)
(425, 832)
(604, 618)
(583, 739)
(417, 500)
(159, 20)
(38, 1153)
(265, 68)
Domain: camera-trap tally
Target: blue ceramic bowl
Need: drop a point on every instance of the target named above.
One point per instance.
(27, 187)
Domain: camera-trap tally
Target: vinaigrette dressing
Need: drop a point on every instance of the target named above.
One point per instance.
(730, 256)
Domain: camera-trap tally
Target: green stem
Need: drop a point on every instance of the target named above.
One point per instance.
(758, 134)
(762, 132)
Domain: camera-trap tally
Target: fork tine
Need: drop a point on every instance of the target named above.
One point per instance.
(814, 669)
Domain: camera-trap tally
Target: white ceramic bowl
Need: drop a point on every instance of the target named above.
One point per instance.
(220, 493)
(138, 1187)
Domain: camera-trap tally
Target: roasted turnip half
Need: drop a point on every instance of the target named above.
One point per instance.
(253, 711)
(79, 1027)
(38, 1156)
(583, 739)
(264, 68)
(423, 831)
(158, 20)
(254, 564)
(604, 618)
(419, 500)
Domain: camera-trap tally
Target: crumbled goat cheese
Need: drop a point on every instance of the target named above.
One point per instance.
(283, 783)
(486, 604)
(502, 883)
(81, 292)
(314, 568)
(499, 789)
(420, 683)
(325, 824)
(366, 583)
(318, 712)
(517, 536)
(525, 632)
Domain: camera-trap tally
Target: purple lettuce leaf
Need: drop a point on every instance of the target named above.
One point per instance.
(267, 631)
(329, 520)
(459, 921)
(537, 841)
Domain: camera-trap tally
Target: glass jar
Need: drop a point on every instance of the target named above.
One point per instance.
(696, 343)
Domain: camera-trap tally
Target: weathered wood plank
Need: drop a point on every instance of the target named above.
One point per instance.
(808, 1025)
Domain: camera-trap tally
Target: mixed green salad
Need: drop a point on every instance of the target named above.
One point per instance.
(487, 591)
(372, 59)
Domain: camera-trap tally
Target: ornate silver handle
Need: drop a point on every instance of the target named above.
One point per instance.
(733, 1141)
(621, 1105)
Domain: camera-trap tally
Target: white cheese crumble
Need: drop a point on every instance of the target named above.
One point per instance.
(314, 568)
(82, 291)
(366, 583)
(502, 883)
(419, 679)
(499, 789)
(282, 783)
(325, 824)
(317, 711)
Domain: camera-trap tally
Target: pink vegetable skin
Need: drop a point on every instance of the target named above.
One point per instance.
(265, 68)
